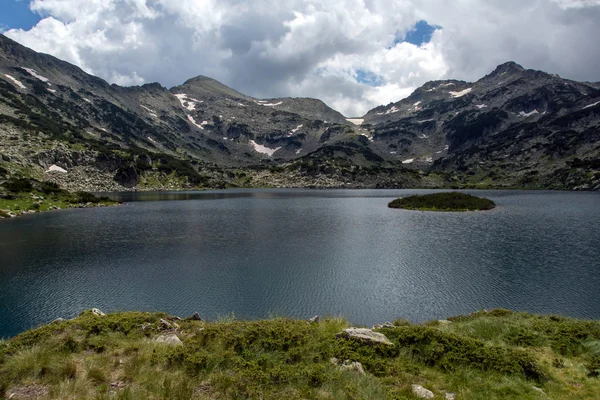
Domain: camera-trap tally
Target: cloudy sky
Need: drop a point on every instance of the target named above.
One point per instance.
(352, 54)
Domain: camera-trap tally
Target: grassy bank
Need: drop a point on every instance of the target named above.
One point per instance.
(487, 355)
(26, 196)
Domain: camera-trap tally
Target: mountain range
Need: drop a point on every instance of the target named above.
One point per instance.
(514, 128)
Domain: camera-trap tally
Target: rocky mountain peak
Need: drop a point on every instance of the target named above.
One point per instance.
(509, 66)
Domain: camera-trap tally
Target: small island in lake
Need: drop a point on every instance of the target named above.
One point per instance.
(447, 201)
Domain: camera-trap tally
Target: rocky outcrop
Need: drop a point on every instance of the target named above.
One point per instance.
(127, 176)
(169, 339)
(365, 335)
(195, 317)
(97, 312)
(421, 392)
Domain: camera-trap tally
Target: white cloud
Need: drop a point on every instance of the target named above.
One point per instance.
(315, 48)
(565, 4)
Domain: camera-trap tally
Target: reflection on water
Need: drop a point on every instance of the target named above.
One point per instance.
(300, 253)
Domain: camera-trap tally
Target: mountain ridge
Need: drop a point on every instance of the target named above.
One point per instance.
(514, 127)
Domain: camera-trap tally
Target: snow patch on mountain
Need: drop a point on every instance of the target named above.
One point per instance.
(56, 168)
(295, 130)
(440, 86)
(35, 74)
(461, 93)
(356, 121)
(15, 81)
(591, 105)
(415, 106)
(187, 103)
(271, 104)
(263, 149)
(529, 114)
(199, 125)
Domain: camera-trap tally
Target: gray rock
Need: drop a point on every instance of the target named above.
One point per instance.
(97, 312)
(58, 320)
(365, 335)
(314, 319)
(195, 317)
(165, 324)
(421, 392)
(169, 339)
(444, 322)
(450, 396)
(348, 365)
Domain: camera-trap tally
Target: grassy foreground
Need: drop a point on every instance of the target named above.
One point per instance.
(487, 355)
(447, 201)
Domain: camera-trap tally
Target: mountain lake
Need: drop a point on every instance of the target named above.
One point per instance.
(259, 253)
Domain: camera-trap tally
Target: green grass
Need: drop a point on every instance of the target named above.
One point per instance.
(486, 355)
(29, 195)
(447, 201)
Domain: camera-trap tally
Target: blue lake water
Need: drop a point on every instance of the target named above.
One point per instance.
(258, 253)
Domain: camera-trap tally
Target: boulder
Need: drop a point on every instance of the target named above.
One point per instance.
(348, 365)
(450, 396)
(58, 320)
(165, 324)
(421, 392)
(444, 322)
(170, 339)
(195, 317)
(365, 335)
(97, 312)
(314, 319)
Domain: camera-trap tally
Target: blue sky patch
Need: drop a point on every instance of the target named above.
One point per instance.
(368, 78)
(419, 34)
(16, 14)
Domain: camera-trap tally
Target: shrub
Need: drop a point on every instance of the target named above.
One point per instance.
(593, 366)
(449, 201)
(51, 187)
(85, 197)
(18, 185)
(447, 350)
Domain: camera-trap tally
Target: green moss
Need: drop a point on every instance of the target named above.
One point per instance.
(447, 201)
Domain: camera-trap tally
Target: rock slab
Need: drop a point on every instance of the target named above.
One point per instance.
(421, 392)
(171, 340)
(365, 335)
